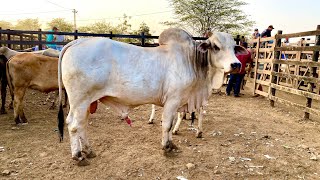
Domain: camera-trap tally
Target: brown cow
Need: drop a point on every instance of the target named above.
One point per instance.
(35, 71)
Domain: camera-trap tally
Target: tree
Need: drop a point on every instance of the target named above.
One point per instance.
(28, 24)
(143, 28)
(60, 23)
(124, 27)
(5, 25)
(101, 27)
(217, 15)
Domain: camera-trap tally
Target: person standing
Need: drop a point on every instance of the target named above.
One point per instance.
(236, 79)
(51, 38)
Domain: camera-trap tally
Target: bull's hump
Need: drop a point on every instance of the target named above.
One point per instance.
(174, 35)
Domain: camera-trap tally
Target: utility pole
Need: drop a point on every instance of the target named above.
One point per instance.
(74, 19)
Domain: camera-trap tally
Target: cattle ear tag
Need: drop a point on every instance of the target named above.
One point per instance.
(203, 47)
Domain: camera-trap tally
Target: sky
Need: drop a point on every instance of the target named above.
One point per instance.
(290, 16)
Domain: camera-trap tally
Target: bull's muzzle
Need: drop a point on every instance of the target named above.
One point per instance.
(235, 66)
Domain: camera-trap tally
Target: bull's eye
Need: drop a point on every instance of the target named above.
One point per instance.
(216, 48)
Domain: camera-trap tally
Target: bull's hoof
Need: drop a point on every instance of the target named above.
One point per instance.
(3, 112)
(169, 147)
(17, 121)
(24, 121)
(91, 154)
(199, 135)
(174, 132)
(150, 121)
(83, 162)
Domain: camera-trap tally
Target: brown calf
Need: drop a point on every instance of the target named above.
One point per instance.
(35, 71)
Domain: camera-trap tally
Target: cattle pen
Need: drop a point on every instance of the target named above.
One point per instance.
(291, 68)
(278, 67)
(243, 138)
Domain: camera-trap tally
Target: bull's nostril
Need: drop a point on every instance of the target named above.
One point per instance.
(235, 65)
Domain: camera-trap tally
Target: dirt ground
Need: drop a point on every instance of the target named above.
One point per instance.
(244, 138)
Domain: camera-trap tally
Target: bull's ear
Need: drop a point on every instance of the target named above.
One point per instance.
(204, 46)
(239, 50)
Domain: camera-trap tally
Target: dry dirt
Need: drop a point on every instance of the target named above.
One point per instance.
(244, 138)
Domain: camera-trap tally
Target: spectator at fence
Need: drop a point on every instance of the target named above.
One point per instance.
(51, 38)
(236, 79)
(267, 32)
(255, 35)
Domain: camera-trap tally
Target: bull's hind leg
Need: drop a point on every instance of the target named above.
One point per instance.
(77, 126)
(153, 111)
(176, 127)
(18, 106)
(168, 118)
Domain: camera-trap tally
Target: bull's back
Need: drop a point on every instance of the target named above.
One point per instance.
(34, 71)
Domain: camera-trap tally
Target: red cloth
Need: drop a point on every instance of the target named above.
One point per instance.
(244, 59)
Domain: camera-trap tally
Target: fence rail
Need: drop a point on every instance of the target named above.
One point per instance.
(19, 40)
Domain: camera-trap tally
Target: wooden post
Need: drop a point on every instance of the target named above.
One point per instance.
(0, 36)
(40, 39)
(21, 40)
(75, 34)
(315, 57)
(110, 34)
(143, 40)
(9, 38)
(256, 67)
(275, 68)
(31, 39)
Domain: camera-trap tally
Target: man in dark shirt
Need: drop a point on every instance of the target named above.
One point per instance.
(267, 32)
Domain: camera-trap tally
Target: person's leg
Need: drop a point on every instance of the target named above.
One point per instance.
(230, 84)
(237, 86)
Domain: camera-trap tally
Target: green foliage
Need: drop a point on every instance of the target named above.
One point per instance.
(5, 25)
(101, 27)
(124, 27)
(27, 24)
(61, 24)
(143, 28)
(217, 15)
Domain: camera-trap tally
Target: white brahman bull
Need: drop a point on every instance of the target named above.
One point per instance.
(124, 76)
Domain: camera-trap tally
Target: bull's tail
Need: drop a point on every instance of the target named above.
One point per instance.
(9, 80)
(60, 113)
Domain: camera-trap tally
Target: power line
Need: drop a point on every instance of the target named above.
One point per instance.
(122, 16)
(35, 12)
(58, 5)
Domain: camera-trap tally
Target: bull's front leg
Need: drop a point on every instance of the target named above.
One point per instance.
(3, 96)
(168, 119)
